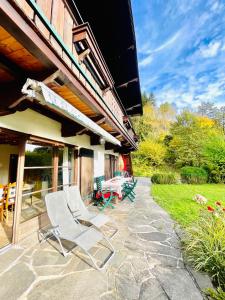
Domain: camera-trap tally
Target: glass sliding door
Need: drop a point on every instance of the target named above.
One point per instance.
(9, 151)
(38, 179)
(66, 167)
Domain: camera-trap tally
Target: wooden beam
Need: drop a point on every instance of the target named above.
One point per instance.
(76, 167)
(19, 190)
(117, 135)
(55, 168)
(126, 83)
(83, 55)
(11, 68)
(68, 129)
(98, 120)
(11, 97)
(95, 140)
(106, 90)
(109, 146)
(9, 93)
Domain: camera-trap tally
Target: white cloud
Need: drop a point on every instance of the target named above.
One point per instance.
(176, 96)
(168, 42)
(146, 61)
(213, 91)
(210, 50)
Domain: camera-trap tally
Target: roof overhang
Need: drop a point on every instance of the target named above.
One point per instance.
(112, 24)
(37, 90)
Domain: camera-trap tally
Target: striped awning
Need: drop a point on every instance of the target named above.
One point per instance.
(39, 91)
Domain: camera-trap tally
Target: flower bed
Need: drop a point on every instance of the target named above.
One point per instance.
(204, 244)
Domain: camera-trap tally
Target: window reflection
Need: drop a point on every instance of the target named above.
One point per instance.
(38, 174)
(37, 155)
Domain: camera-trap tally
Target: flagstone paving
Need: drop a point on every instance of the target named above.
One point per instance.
(148, 263)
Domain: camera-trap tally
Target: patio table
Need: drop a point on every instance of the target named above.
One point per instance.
(116, 184)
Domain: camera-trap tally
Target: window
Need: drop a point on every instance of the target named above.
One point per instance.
(38, 179)
(41, 178)
(66, 167)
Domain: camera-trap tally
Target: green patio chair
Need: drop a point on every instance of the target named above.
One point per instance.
(128, 190)
(104, 197)
(117, 173)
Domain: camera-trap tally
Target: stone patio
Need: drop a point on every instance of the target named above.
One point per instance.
(148, 263)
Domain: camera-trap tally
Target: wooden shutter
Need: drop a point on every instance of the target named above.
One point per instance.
(86, 173)
(107, 167)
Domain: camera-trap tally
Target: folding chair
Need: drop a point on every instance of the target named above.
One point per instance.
(117, 173)
(128, 190)
(104, 197)
(65, 228)
(81, 212)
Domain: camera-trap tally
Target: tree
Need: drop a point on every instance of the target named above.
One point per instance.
(148, 99)
(214, 153)
(151, 153)
(207, 109)
(189, 133)
(220, 118)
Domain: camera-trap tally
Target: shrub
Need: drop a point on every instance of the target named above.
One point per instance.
(164, 178)
(218, 294)
(205, 244)
(151, 152)
(193, 175)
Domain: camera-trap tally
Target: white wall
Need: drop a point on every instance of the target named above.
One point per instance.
(31, 122)
(99, 163)
(5, 151)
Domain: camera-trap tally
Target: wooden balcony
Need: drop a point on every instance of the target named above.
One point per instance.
(57, 27)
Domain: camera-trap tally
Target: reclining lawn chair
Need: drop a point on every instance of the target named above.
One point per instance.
(80, 211)
(128, 190)
(65, 228)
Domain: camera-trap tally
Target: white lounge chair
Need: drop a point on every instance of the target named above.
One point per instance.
(81, 212)
(65, 228)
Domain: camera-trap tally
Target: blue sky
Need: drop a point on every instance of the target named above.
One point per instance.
(181, 50)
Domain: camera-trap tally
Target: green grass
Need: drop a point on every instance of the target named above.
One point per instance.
(176, 199)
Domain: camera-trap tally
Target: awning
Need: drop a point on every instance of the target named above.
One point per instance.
(39, 91)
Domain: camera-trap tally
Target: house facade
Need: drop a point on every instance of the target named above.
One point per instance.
(68, 85)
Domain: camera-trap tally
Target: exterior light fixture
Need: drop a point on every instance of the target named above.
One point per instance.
(102, 141)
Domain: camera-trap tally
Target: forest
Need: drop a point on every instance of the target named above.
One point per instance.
(186, 145)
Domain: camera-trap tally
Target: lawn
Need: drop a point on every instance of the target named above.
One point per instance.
(177, 199)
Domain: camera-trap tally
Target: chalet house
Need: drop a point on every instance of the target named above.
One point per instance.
(68, 85)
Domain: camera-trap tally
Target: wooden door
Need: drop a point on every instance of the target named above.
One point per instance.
(86, 173)
(107, 167)
(13, 163)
